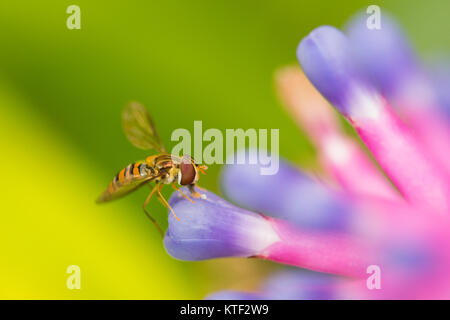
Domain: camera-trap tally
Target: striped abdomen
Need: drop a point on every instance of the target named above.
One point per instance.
(137, 170)
(127, 180)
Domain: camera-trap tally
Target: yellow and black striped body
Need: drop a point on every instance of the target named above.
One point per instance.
(133, 172)
(160, 168)
(127, 180)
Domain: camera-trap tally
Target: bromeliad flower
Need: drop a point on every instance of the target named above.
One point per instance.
(351, 220)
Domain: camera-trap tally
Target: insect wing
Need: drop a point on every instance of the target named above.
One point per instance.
(140, 128)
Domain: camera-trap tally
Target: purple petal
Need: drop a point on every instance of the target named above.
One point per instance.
(326, 58)
(384, 54)
(288, 195)
(213, 228)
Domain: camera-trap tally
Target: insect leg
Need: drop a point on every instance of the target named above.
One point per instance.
(194, 193)
(182, 193)
(164, 201)
(148, 215)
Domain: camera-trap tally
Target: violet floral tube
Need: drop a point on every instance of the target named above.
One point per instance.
(327, 59)
(213, 228)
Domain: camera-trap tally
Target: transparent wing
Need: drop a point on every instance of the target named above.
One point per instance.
(140, 128)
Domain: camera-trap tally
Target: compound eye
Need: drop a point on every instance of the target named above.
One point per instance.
(188, 172)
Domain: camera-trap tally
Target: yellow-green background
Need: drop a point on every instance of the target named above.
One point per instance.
(61, 94)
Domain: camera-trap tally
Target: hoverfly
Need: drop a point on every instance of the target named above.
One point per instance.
(162, 168)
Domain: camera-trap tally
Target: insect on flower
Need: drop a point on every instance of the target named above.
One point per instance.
(161, 168)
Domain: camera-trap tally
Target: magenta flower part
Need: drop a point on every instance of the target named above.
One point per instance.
(388, 60)
(389, 139)
(356, 216)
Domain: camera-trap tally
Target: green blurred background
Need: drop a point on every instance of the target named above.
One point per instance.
(61, 95)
